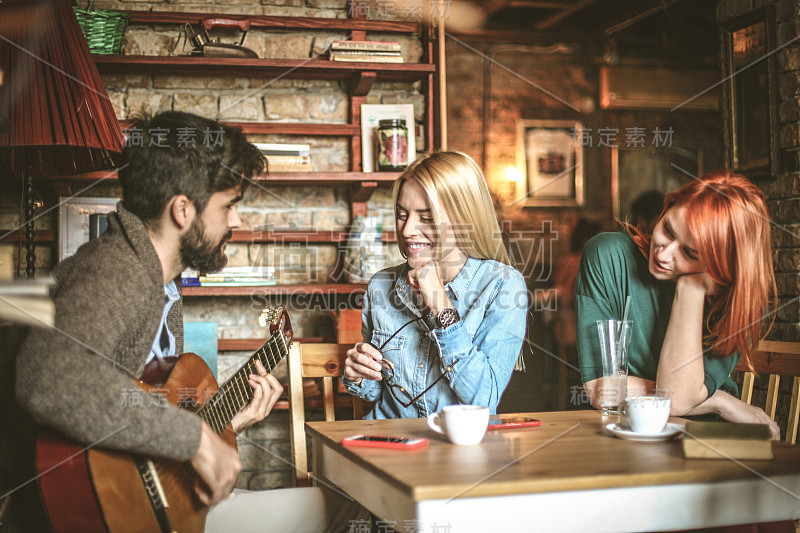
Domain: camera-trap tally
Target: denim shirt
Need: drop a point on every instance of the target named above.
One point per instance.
(492, 301)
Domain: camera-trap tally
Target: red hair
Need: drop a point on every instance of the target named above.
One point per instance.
(727, 217)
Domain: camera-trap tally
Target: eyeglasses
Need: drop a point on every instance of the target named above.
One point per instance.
(388, 373)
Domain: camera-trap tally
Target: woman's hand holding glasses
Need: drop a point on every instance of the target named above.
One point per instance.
(364, 361)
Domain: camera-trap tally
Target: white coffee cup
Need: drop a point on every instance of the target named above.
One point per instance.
(645, 414)
(463, 424)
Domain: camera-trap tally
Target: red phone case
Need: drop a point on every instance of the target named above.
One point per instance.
(514, 423)
(415, 442)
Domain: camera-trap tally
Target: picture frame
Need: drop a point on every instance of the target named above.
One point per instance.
(637, 172)
(73, 221)
(752, 125)
(550, 156)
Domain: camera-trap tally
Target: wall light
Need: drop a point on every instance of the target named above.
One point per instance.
(513, 174)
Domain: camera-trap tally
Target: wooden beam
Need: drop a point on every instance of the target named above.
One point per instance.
(363, 191)
(264, 21)
(540, 4)
(552, 20)
(490, 7)
(442, 82)
(362, 84)
(641, 16)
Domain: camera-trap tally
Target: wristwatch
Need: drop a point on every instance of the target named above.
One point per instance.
(447, 317)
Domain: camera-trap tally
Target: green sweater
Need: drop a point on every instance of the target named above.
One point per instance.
(612, 267)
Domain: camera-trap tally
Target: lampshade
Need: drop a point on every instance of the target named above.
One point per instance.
(59, 119)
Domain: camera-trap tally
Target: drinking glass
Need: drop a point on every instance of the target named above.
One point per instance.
(615, 339)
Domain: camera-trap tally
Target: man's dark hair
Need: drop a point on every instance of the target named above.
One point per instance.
(582, 229)
(175, 153)
(647, 206)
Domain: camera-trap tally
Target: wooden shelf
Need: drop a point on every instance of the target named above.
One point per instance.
(263, 21)
(328, 178)
(326, 289)
(300, 236)
(14, 235)
(274, 178)
(308, 129)
(307, 69)
(287, 128)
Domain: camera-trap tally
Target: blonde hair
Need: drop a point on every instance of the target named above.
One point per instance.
(455, 183)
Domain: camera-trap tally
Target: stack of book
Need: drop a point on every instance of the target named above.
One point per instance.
(366, 51)
(249, 276)
(287, 157)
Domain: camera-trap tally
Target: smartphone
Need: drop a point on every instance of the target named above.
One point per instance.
(397, 443)
(505, 422)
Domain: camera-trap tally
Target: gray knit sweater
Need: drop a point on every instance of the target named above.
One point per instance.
(77, 378)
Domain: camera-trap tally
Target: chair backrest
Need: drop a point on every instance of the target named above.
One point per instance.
(776, 359)
(313, 360)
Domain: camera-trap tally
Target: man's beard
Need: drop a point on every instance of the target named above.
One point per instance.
(201, 254)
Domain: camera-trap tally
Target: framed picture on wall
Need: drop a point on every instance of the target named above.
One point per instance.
(73, 221)
(752, 125)
(550, 156)
(640, 175)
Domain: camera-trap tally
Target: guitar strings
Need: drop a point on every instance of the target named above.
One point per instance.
(217, 409)
(215, 412)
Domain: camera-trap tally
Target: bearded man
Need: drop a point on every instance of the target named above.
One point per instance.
(119, 314)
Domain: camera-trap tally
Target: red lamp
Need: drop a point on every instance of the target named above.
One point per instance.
(55, 112)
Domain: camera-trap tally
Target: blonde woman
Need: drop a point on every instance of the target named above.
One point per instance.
(446, 327)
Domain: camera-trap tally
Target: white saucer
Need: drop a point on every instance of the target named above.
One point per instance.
(627, 433)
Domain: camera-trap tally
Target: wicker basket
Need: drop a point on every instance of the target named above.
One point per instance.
(103, 28)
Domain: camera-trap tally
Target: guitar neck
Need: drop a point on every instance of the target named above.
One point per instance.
(236, 392)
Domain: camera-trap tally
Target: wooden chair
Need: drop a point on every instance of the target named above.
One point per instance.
(313, 360)
(776, 359)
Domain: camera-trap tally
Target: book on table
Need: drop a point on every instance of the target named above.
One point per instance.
(727, 440)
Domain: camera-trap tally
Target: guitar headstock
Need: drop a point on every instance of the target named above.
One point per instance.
(278, 321)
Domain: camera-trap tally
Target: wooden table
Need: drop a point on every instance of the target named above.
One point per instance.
(569, 474)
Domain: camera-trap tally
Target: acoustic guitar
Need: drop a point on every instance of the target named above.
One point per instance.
(94, 490)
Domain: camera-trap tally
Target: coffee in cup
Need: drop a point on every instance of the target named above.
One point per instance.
(463, 424)
(645, 414)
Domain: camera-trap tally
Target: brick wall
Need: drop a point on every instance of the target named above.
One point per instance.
(783, 192)
(265, 447)
(493, 85)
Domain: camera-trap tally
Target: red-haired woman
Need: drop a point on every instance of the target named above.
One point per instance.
(700, 288)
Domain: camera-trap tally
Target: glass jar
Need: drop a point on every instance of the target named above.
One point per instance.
(392, 145)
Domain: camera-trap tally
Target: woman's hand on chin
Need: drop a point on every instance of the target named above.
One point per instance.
(425, 281)
(700, 281)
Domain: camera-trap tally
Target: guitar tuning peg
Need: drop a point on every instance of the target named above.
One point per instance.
(262, 320)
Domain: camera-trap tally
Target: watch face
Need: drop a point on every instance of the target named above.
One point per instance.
(447, 317)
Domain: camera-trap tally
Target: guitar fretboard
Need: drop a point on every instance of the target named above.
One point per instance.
(236, 391)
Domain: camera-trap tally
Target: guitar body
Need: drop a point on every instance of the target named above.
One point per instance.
(102, 490)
